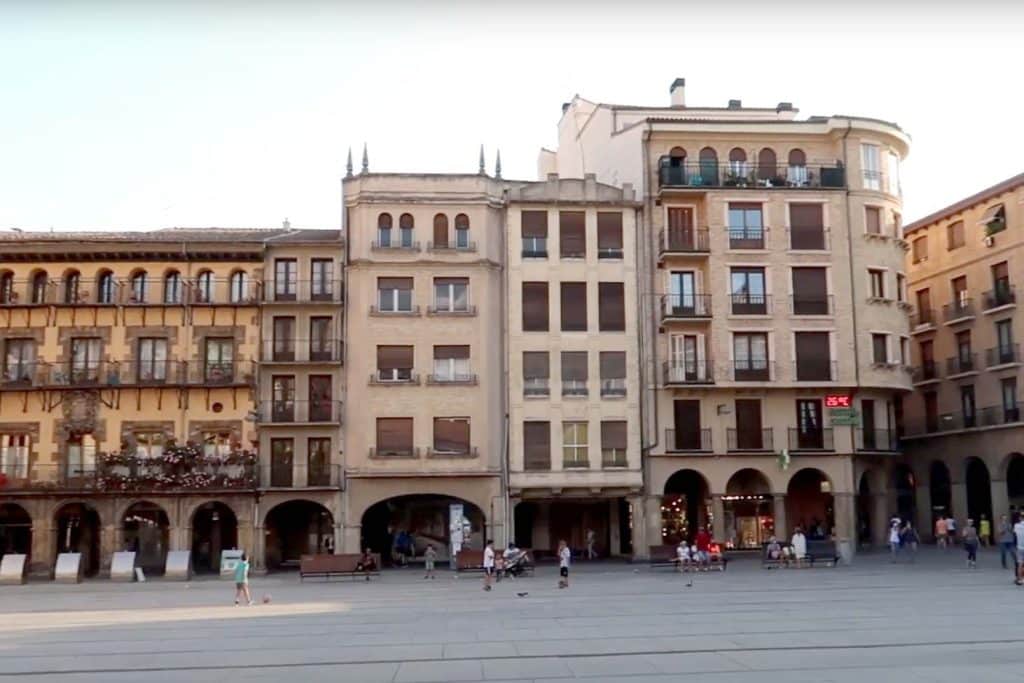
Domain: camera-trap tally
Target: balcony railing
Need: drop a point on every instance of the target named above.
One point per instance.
(452, 310)
(395, 244)
(116, 473)
(812, 304)
(576, 463)
(683, 241)
(683, 306)
(323, 411)
(1000, 296)
(927, 371)
(128, 373)
(750, 439)
(451, 379)
(613, 388)
(537, 386)
(452, 245)
(157, 292)
(819, 439)
(988, 416)
(747, 238)
(752, 370)
(612, 458)
(922, 317)
(287, 475)
(1002, 355)
(750, 304)
(808, 238)
(378, 311)
(389, 377)
(395, 452)
(714, 173)
(302, 351)
(25, 375)
(575, 387)
(303, 291)
(958, 310)
(875, 440)
(535, 247)
(688, 372)
(958, 365)
(686, 440)
(816, 371)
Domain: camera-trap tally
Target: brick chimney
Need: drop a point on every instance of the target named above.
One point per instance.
(678, 92)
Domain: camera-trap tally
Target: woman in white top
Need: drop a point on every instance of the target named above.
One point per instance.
(564, 555)
(799, 544)
(894, 541)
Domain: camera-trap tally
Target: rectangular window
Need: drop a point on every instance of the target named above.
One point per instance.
(687, 434)
(81, 455)
(575, 443)
(871, 167)
(901, 287)
(806, 226)
(611, 307)
(217, 443)
(286, 272)
(536, 373)
(535, 234)
(613, 373)
(85, 359)
(1008, 393)
(1005, 350)
(931, 411)
(451, 435)
(282, 404)
(574, 306)
(924, 307)
(149, 444)
(282, 460)
(1002, 291)
(320, 342)
(451, 294)
(322, 285)
(904, 351)
(746, 226)
(959, 287)
(967, 405)
(284, 339)
(451, 364)
(394, 363)
(572, 234)
(920, 249)
(536, 446)
(897, 224)
(19, 360)
(220, 360)
(955, 235)
(813, 357)
(609, 235)
(810, 291)
(318, 461)
(574, 373)
(810, 432)
(893, 181)
(749, 434)
(747, 291)
(880, 348)
(613, 443)
(394, 436)
(152, 360)
(321, 399)
(535, 307)
(964, 356)
(394, 294)
(873, 220)
(877, 278)
(682, 234)
(750, 357)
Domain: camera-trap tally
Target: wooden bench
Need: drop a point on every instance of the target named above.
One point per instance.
(665, 556)
(822, 553)
(773, 562)
(335, 565)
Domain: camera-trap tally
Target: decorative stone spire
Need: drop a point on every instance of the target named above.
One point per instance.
(482, 170)
(366, 160)
(497, 165)
(348, 164)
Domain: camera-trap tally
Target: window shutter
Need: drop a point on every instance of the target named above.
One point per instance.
(440, 230)
(535, 223)
(574, 365)
(874, 220)
(609, 230)
(394, 434)
(572, 234)
(447, 352)
(451, 434)
(404, 283)
(613, 435)
(613, 365)
(611, 307)
(394, 357)
(535, 306)
(537, 445)
(536, 365)
(574, 306)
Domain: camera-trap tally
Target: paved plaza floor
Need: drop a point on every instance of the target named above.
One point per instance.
(932, 621)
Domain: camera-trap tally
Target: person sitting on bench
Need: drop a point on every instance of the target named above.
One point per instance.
(366, 563)
(682, 556)
(774, 549)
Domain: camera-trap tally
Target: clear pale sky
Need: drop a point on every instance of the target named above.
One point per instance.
(140, 115)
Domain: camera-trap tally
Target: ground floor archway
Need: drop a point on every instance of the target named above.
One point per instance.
(979, 490)
(401, 528)
(903, 484)
(296, 528)
(146, 530)
(593, 528)
(940, 488)
(214, 528)
(685, 507)
(809, 503)
(749, 509)
(77, 527)
(865, 515)
(1015, 481)
(15, 530)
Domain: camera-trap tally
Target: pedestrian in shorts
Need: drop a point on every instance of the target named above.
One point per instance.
(564, 558)
(488, 564)
(242, 580)
(429, 555)
(970, 535)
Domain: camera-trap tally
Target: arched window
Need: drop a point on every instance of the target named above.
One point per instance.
(204, 287)
(441, 231)
(39, 286)
(767, 165)
(384, 230)
(677, 157)
(105, 287)
(405, 226)
(708, 168)
(7, 288)
(172, 287)
(140, 287)
(796, 174)
(738, 168)
(72, 280)
(462, 231)
(239, 285)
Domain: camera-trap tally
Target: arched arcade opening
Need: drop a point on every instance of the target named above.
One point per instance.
(214, 528)
(1015, 481)
(979, 490)
(296, 528)
(146, 532)
(400, 528)
(809, 503)
(749, 509)
(685, 507)
(940, 488)
(78, 531)
(903, 484)
(15, 530)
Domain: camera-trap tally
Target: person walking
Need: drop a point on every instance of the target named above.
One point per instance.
(242, 580)
(429, 556)
(564, 559)
(970, 535)
(941, 539)
(951, 529)
(1007, 543)
(591, 544)
(1018, 531)
(985, 531)
(894, 540)
(909, 540)
(488, 564)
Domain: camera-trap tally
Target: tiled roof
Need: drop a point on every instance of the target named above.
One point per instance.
(177, 235)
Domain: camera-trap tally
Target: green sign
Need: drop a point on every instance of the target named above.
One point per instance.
(845, 417)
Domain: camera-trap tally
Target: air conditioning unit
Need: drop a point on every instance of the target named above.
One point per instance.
(990, 241)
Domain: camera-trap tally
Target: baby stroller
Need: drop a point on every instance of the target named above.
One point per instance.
(517, 564)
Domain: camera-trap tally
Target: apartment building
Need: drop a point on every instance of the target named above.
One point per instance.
(962, 432)
(773, 290)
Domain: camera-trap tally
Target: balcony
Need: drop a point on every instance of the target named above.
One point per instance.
(536, 387)
(302, 351)
(466, 379)
(875, 440)
(282, 412)
(288, 475)
(682, 242)
(322, 291)
(675, 307)
(449, 247)
(610, 253)
(219, 373)
(699, 175)
(1008, 354)
(958, 312)
(747, 238)
(575, 388)
(613, 388)
(454, 311)
(922, 320)
(395, 245)
(461, 451)
(752, 370)
(25, 375)
(688, 372)
(410, 311)
(690, 440)
(396, 452)
(927, 371)
(991, 416)
(403, 376)
(816, 371)
(1001, 297)
(750, 439)
(811, 304)
(961, 365)
(808, 238)
(742, 303)
(811, 439)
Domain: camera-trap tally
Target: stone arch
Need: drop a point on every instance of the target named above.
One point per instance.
(685, 506)
(940, 488)
(978, 483)
(77, 527)
(213, 527)
(810, 503)
(749, 508)
(296, 527)
(1013, 466)
(400, 527)
(15, 530)
(145, 529)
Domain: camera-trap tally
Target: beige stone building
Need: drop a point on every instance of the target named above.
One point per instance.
(771, 279)
(963, 433)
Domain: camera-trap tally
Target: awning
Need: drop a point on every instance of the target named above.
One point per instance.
(992, 213)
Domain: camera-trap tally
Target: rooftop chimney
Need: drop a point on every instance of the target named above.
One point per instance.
(784, 106)
(677, 92)
(735, 104)
(565, 106)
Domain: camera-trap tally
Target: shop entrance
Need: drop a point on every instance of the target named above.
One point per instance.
(146, 532)
(78, 531)
(214, 528)
(400, 528)
(749, 510)
(294, 529)
(685, 507)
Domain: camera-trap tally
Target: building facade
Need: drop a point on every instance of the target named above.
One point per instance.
(963, 433)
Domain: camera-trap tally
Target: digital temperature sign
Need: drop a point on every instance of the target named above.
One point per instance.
(838, 401)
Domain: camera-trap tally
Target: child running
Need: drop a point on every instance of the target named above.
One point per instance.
(564, 558)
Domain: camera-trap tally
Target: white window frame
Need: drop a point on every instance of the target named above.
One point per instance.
(452, 307)
(888, 347)
(14, 453)
(394, 306)
(871, 166)
(572, 444)
(452, 369)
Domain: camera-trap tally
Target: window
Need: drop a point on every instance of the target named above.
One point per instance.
(394, 363)
(747, 291)
(535, 307)
(451, 364)
(282, 460)
(220, 360)
(85, 359)
(994, 219)
(739, 170)
(172, 288)
(574, 373)
(440, 231)
(321, 398)
(204, 287)
(810, 431)
(536, 373)
(451, 294)
(683, 300)
(901, 287)
(7, 293)
(920, 249)
(708, 166)
(572, 235)
(72, 295)
(767, 167)
(239, 285)
(806, 227)
(904, 351)
(535, 234)
(384, 230)
(574, 306)
(149, 444)
(462, 231)
(686, 359)
(927, 353)
(405, 228)
(897, 224)
(318, 461)
(152, 360)
(139, 288)
(320, 342)
(871, 167)
(536, 445)
(217, 443)
(877, 279)
(682, 234)
(746, 226)
(955, 235)
(394, 436)
(796, 173)
(282, 389)
(687, 434)
(609, 235)
(394, 294)
(451, 435)
(924, 307)
(810, 291)
(750, 356)
(813, 356)
(284, 339)
(19, 360)
(880, 348)
(873, 220)
(1002, 292)
(613, 443)
(286, 272)
(967, 405)
(931, 411)
(611, 307)
(81, 455)
(322, 286)
(14, 451)
(959, 287)
(613, 373)
(1004, 341)
(1008, 394)
(893, 181)
(964, 357)
(39, 287)
(749, 433)
(575, 444)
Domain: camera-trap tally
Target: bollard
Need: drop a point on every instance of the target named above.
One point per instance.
(179, 565)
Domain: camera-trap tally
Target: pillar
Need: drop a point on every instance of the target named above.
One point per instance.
(614, 539)
(880, 520)
(1000, 502)
(513, 501)
(652, 516)
(496, 526)
(782, 530)
(43, 549)
(959, 504)
(923, 509)
(258, 557)
(639, 529)
(108, 545)
(846, 517)
(718, 523)
(350, 537)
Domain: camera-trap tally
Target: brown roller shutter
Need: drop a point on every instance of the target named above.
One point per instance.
(611, 307)
(613, 435)
(440, 230)
(609, 230)
(813, 362)
(462, 222)
(807, 226)
(404, 283)
(537, 445)
(613, 365)
(394, 434)
(574, 365)
(451, 434)
(535, 223)
(441, 281)
(574, 306)
(572, 234)
(797, 157)
(394, 357)
(536, 365)
(535, 306)
(446, 352)
(384, 221)
(810, 291)
(405, 221)
(873, 216)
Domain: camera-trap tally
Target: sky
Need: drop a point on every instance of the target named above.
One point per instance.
(141, 115)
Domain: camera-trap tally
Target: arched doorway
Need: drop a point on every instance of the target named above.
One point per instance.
(979, 490)
(417, 520)
(749, 509)
(525, 515)
(1015, 481)
(685, 506)
(864, 515)
(294, 529)
(15, 530)
(809, 503)
(903, 484)
(214, 528)
(147, 533)
(941, 489)
(78, 531)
